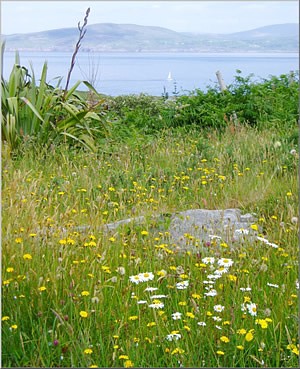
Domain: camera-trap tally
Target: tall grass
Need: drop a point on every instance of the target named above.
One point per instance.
(69, 296)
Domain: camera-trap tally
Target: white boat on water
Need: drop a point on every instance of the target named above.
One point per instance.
(170, 78)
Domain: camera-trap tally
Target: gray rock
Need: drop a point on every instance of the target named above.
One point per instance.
(192, 229)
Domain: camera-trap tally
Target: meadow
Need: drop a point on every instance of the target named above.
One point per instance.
(75, 295)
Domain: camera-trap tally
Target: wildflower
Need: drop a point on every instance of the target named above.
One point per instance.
(249, 336)
(83, 314)
(145, 277)
(9, 270)
(121, 270)
(241, 331)
(202, 324)
(128, 364)
(144, 233)
(4, 318)
(157, 304)
(177, 351)
(150, 289)
(182, 285)
(176, 316)
(224, 339)
(240, 347)
(27, 257)
(18, 240)
(217, 318)
(134, 317)
(151, 324)
(294, 220)
(225, 262)
(262, 322)
(196, 296)
(141, 302)
(272, 285)
(190, 315)
(254, 227)
(219, 308)
(173, 337)
(212, 292)
(135, 279)
(220, 352)
(88, 351)
(42, 288)
(252, 309)
(13, 327)
(208, 260)
(85, 293)
(125, 357)
(158, 296)
(293, 152)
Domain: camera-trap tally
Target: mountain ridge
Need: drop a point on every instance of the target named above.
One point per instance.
(112, 37)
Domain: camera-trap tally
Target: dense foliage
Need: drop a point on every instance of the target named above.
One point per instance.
(35, 112)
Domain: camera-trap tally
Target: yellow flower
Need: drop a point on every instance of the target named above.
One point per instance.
(262, 322)
(295, 351)
(128, 364)
(9, 270)
(220, 352)
(83, 314)
(18, 240)
(241, 331)
(5, 318)
(249, 336)
(14, 326)
(190, 315)
(177, 351)
(125, 357)
(85, 293)
(42, 288)
(144, 233)
(240, 347)
(88, 351)
(27, 257)
(134, 317)
(151, 324)
(254, 227)
(225, 339)
(196, 296)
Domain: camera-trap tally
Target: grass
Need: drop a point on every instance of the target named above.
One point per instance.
(67, 297)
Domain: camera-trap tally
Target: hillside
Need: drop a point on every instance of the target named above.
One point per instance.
(134, 38)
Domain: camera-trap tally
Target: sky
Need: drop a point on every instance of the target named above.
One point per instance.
(178, 15)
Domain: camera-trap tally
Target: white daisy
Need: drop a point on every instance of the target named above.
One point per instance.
(212, 292)
(252, 309)
(135, 279)
(225, 262)
(158, 296)
(176, 316)
(182, 285)
(272, 285)
(219, 308)
(157, 305)
(245, 289)
(150, 289)
(173, 337)
(145, 277)
(208, 260)
(202, 324)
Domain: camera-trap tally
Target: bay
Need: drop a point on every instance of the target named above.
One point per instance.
(134, 73)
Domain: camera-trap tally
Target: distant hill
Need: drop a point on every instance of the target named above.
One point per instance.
(112, 37)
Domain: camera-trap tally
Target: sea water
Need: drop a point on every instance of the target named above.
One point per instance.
(134, 73)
